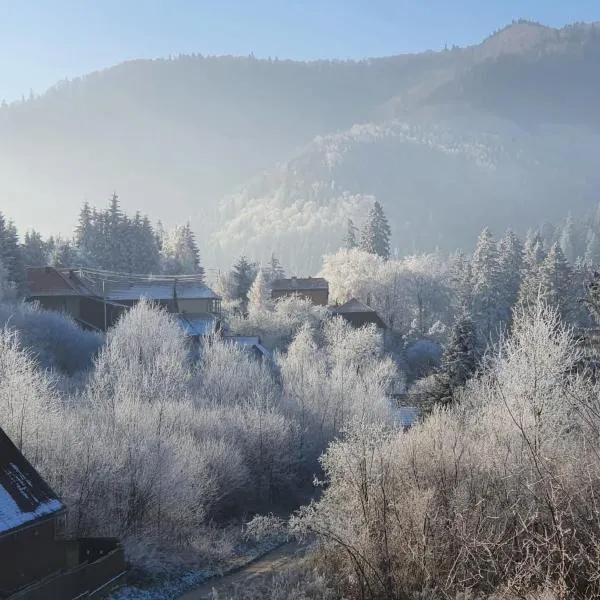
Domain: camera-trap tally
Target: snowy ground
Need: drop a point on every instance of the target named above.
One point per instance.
(179, 583)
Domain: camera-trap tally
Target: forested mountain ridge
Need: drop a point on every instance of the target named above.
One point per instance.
(507, 126)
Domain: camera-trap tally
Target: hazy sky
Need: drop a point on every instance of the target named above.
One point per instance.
(43, 41)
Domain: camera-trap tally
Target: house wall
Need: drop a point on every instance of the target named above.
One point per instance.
(69, 305)
(196, 306)
(29, 554)
(318, 297)
(362, 319)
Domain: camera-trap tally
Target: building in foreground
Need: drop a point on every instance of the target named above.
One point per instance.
(37, 560)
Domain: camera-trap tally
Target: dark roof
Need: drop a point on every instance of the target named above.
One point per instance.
(352, 306)
(299, 284)
(24, 496)
(48, 281)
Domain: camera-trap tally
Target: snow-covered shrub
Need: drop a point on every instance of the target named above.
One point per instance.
(328, 385)
(55, 340)
(277, 328)
(496, 493)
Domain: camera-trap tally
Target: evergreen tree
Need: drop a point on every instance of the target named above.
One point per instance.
(180, 252)
(85, 232)
(274, 270)
(35, 250)
(11, 255)
(259, 296)
(149, 253)
(592, 248)
(533, 256)
(375, 237)
(567, 240)
(487, 287)
(63, 255)
(461, 281)
(244, 273)
(556, 282)
(116, 234)
(350, 241)
(510, 262)
(459, 361)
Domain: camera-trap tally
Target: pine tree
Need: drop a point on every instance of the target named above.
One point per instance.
(487, 287)
(259, 296)
(350, 241)
(460, 280)
(84, 232)
(274, 270)
(375, 237)
(533, 256)
(63, 255)
(567, 240)
(149, 251)
(11, 255)
(244, 273)
(556, 283)
(592, 248)
(459, 361)
(35, 250)
(510, 262)
(180, 252)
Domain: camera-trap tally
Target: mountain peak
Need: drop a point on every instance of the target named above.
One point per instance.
(516, 38)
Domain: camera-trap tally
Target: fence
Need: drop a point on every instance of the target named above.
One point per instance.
(89, 580)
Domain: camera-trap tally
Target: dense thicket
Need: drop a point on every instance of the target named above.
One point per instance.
(154, 444)
(494, 497)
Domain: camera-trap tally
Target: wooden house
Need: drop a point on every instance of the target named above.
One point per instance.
(357, 314)
(67, 292)
(36, 559)
(96, 300)
(315, 289)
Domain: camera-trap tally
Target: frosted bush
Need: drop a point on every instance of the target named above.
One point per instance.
(495, 493)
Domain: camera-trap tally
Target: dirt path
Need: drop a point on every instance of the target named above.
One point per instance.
(269, 564)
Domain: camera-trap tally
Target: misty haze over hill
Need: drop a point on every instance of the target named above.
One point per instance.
(275, 155)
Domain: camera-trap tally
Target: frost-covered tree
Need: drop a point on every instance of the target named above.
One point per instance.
(180, 252)
(244, 273)
(487, 287)
(274, 270)
(556, 283)
(459, 361)
(460, 281)
(376, 234)
(259, 295)
(350, 239)
(510, 264)
(592, 248)
(533, 256)
(11, 254)
(35, 250)
(62, 253)
(567, 239)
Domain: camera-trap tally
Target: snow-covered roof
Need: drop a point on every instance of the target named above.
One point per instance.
(352, 306)
(198, 325)
(299, 284)
(248, 342)
(24, 496)
(158, 290)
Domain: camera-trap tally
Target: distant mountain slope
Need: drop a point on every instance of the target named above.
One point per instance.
(439, 182)
(503, 132)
